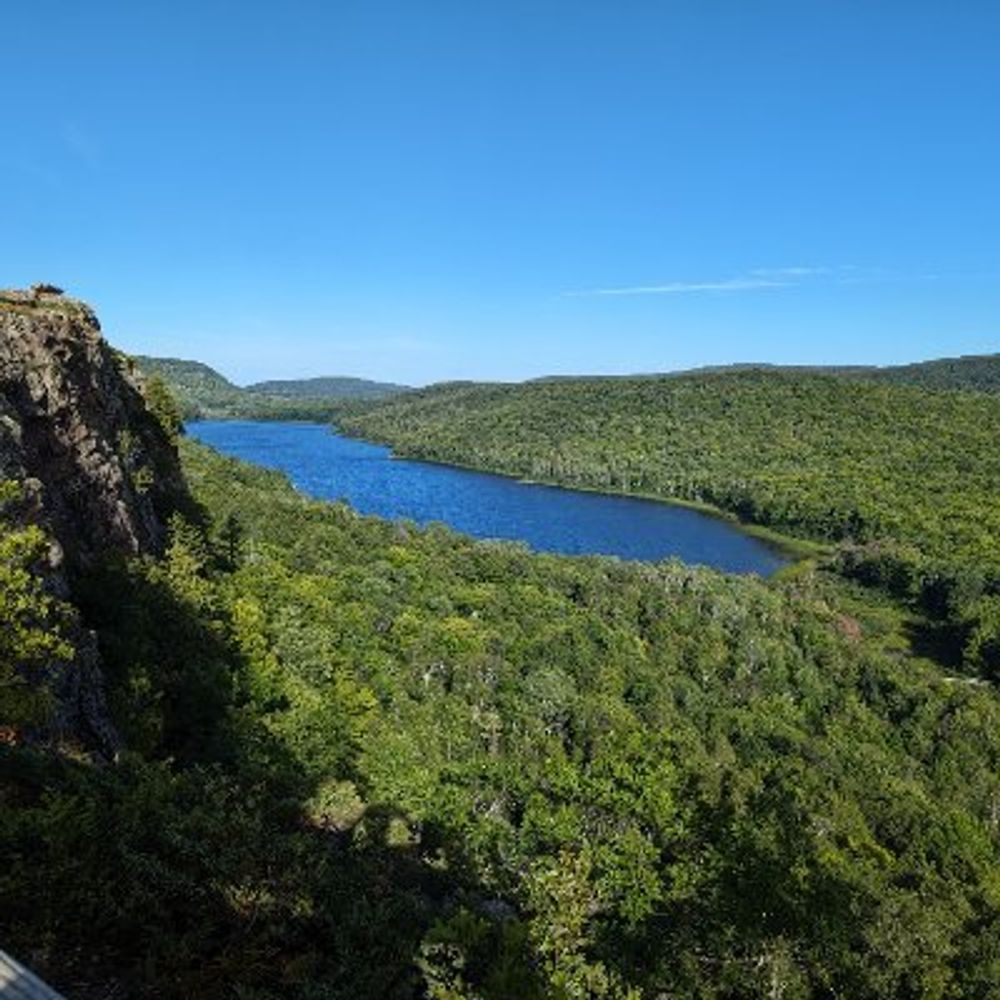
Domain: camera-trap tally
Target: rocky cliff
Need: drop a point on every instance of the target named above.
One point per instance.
(97, 469)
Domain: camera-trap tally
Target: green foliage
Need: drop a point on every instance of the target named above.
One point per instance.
(193, 882)
(983, 649)
(164, 407)
(972, 373)
(826, 457)
(563, 900)
(337, 387)
(383, 761)
(902, 479)
(33, 644)
(202, 393)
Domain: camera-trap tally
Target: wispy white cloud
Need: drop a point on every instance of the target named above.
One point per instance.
(758, 278)
(743, 284)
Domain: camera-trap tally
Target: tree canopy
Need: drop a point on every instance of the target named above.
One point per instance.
(369, 759)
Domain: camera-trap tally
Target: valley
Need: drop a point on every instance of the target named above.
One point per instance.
(350, 756)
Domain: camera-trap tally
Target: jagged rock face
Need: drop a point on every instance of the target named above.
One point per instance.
(75, 428)
(98, 471)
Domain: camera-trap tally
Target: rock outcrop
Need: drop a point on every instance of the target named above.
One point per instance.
(98, 471)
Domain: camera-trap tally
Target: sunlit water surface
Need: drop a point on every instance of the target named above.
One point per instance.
(549, 519)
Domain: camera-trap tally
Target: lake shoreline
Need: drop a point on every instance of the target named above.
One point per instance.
(797, 549)
(322, 462)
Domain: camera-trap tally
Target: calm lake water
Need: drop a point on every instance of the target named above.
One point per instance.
(550, 519)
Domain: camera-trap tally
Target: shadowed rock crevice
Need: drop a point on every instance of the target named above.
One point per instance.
(97, 471)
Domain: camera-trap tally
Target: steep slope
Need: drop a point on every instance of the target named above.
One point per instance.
(76, 429)
(198, 388)
(94, 469)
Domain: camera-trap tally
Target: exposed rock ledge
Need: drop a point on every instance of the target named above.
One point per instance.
(98, 472)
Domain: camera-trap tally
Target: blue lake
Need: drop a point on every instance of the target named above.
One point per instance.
(329, 466)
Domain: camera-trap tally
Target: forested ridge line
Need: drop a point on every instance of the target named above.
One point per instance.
(205, 394)
(904, 480)
(966, 373)
(831, 458)
(971, 373)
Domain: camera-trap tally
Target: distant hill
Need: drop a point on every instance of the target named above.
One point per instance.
(205, 394)
(200, 390)
(331, 387)
(972, 373)
(827, 456)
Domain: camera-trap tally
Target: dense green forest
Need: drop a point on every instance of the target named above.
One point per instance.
(905, 481)
(335, 387)
(205, 394)
(832, 459)
(367, 760)
(969, 373)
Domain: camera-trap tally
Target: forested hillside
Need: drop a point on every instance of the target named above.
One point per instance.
(905, 480)
(367, 760)
(205, 394)
(336, 387)
(192, 382)
(969, 373)
(825, 457)
(972, 373)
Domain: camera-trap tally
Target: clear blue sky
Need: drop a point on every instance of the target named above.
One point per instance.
(429, 190)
